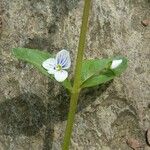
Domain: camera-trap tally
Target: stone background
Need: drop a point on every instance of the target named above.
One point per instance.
(33, 109)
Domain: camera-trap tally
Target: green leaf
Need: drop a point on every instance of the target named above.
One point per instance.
(67, 85)
(95, 72)
(93, 66)
(36, 58)
(32, 56)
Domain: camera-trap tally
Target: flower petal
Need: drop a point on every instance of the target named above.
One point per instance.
(49, 63)
(115, 63)
(60, 76)
(63, 58)
(51, 70)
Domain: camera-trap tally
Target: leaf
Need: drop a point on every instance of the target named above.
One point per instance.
(32, 56)
(95, 72)
(67, 85)
(91, 67)
(36, 58)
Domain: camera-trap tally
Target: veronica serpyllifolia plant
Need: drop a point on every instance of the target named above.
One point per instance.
(88, 73)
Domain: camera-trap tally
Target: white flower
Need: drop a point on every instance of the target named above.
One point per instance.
(116, 63)
(58, 65)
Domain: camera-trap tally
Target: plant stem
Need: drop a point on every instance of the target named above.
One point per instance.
(77, 78)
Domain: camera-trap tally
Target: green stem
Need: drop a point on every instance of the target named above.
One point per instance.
(77, 79)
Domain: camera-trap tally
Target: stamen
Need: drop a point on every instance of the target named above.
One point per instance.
(58, 67)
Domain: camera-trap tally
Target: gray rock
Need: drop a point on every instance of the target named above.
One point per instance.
(33, 109)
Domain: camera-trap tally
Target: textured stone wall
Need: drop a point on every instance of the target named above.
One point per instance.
(33, 109)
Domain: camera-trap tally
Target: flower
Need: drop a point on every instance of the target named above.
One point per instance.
(58, 65)
(115, 63)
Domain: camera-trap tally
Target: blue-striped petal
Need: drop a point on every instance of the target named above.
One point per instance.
(63, 59)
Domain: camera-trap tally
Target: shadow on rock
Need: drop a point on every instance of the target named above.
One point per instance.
(24, 114)
(60, 10)
(59, 105)
(48, 137)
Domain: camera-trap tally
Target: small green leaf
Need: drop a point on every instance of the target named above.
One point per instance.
(32, 56)
(95, 72)
(67, 85)
(93, 66)
(36, 58)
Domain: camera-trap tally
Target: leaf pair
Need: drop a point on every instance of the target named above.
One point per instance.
(97, 71)
(94, 72)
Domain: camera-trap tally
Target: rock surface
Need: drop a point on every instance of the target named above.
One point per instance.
(33, 109)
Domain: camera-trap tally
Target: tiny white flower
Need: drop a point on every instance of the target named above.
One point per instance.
(58, 65)
(116, 63)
